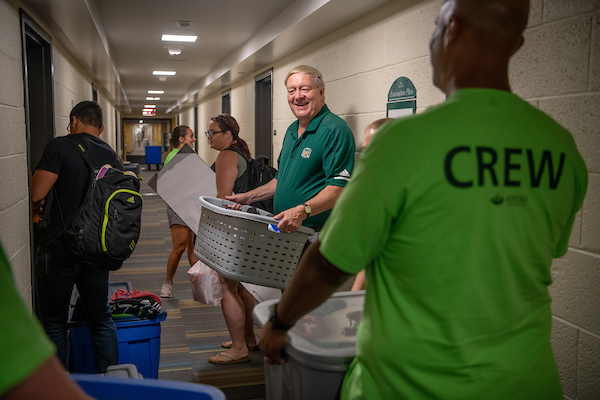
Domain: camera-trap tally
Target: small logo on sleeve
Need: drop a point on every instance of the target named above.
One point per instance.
(345, 175)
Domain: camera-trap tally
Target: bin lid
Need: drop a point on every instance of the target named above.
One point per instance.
(326, 335)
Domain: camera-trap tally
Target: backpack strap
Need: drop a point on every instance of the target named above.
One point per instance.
(81, 148)
(235, 149)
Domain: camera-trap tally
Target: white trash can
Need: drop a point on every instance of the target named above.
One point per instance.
(319, 349)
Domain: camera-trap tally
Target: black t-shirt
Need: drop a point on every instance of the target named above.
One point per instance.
(63, 159)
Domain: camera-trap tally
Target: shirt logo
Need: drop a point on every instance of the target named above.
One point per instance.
(306, 152)
(345, 175)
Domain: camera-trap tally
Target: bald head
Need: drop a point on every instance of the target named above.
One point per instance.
(474, 40)
(501, 21)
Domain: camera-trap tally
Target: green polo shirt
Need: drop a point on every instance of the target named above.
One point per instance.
(322, 156)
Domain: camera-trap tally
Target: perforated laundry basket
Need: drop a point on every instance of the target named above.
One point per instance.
(240, 246)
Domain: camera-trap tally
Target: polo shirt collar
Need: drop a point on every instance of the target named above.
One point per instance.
(313, 124)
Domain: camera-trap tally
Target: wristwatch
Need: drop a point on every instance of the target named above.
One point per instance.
(276, 323)
(307, 209)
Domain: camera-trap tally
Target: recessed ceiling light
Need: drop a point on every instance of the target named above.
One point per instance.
(163, 72)
(149, 106)
(141, 121)
(179, 38)
(152, 98)
(156, 91)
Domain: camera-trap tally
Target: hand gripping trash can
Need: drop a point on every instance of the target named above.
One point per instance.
(319, 349)
(246, 246)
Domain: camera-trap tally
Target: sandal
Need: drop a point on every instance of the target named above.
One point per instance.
(228, 345)
(228, 359)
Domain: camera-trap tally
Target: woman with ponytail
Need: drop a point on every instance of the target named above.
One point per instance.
(237, 303)
(181, 235)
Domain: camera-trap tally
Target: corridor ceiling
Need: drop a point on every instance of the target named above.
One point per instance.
(118, 42)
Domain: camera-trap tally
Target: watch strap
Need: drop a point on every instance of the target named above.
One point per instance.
(276, 323)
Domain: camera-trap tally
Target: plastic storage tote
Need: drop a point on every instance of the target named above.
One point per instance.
(247, 247)
(139, 344)
(109, 388)
(319, 349)
(153, 155)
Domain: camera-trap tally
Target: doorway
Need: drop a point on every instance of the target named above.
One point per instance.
(38, 84)
(263, 116)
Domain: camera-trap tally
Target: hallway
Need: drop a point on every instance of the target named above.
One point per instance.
(192, 332)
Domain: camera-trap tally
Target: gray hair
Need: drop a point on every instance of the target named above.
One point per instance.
(305, 69)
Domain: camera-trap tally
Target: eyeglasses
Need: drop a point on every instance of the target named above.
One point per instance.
(211, 134)
(69, 128)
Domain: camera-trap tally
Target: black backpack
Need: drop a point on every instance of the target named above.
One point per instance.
(257, 174)
(107, 225)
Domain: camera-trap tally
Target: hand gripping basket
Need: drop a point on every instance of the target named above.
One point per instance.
(244, 247)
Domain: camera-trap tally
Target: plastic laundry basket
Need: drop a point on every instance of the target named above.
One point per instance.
(247, 247)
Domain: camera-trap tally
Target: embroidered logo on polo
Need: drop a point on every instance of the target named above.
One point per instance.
(345, 175)
(306, 152)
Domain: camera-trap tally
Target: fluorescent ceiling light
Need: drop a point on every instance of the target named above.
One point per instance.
(179, 38)
(149, 106)
(163, 72)
(156, 91)
(150, 98)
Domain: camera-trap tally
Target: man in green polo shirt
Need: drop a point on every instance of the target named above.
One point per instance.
(455, 214)
(316, 159)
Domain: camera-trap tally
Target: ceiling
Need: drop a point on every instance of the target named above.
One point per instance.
(118, 42)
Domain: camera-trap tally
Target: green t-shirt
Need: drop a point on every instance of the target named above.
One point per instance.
(456, 215)
(322, 156)
(24, 347)
(171, 155)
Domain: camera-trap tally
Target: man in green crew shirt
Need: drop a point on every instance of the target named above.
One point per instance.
(456, 215)
(316, 159)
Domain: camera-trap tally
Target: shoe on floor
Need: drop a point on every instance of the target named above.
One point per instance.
(227, 359)
(228, 345)
(167, 289)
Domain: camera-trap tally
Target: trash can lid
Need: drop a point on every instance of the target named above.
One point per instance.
(325, 337)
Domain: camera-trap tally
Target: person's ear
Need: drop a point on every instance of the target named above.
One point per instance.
(451, 32)
(101, 129)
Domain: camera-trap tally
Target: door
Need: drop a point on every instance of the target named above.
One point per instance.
(263, 116)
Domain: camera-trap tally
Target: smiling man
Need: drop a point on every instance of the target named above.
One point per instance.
(315, 162)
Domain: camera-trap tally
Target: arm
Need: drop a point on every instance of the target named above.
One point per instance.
(266, 191)
(227, 172)
(291, 219)
(50, 381)
(359, 281)
(41, 183)
(314, 280)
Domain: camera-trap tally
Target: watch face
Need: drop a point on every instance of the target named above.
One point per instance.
(307, 209)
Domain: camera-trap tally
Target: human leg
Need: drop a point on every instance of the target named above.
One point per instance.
(190, 248)
(92, 284)
(179, 236)
(235, 316)
(55, 276)
(248, 301)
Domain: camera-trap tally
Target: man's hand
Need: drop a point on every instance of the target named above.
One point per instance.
(291, 219)
(271, 342)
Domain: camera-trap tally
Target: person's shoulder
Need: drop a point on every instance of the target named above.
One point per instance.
(228, 155)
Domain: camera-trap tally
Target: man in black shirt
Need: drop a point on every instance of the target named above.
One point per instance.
(63, 172)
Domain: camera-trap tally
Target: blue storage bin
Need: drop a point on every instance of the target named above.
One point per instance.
(106, 388)
(153, 155)
(139, 344)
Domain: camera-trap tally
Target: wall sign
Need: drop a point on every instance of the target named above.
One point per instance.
(402, 98)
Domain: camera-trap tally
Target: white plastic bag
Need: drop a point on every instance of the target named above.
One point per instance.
(206, 287)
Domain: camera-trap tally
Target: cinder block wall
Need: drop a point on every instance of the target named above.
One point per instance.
(557, 70)
(71, 86)
(14, 188)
